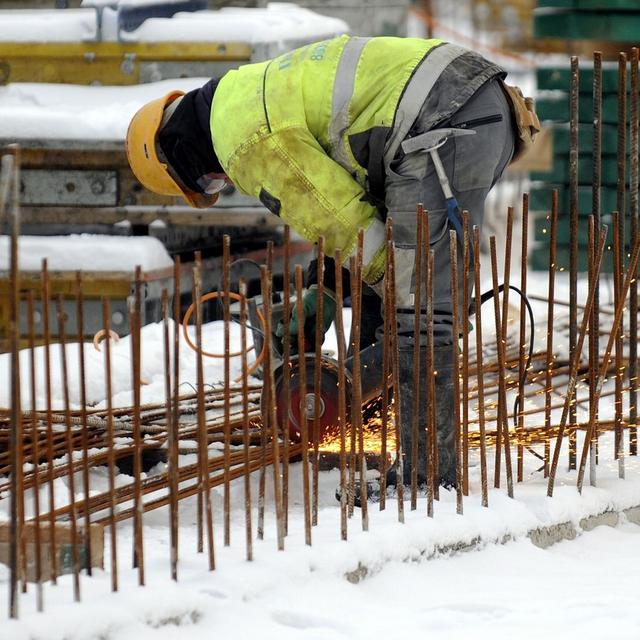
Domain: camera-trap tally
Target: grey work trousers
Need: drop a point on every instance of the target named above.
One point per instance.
(473, 164)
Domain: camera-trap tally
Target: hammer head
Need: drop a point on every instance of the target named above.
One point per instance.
(434, 139)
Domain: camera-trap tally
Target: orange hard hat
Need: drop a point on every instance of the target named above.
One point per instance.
(143, 158)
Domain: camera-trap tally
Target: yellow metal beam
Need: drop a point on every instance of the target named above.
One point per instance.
(109, 63)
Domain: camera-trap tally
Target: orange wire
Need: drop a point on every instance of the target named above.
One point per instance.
(211, 296)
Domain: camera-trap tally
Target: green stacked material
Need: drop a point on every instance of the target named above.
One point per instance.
(613, 20)
(553, 110)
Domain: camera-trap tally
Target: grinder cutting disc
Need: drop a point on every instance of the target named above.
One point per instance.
(328, 405)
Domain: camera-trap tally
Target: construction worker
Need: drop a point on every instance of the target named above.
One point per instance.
(334, 137)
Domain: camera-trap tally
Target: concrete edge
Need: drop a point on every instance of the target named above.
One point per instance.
(542, 537)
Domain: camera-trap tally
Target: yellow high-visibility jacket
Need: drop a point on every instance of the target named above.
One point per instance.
(310, 133)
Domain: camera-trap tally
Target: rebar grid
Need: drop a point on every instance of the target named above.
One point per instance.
(215, 436)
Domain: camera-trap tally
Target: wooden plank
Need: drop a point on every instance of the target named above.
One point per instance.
(63, 547)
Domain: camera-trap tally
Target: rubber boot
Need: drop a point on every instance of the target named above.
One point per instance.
(444, 399)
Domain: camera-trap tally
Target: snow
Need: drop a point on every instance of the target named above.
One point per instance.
(87, 252)
(32, 25)
(73, 112)
(278, 22)
(580, 589)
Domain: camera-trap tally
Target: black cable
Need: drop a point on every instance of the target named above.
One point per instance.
(488, 295)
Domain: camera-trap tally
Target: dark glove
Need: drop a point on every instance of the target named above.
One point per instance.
(309, 307)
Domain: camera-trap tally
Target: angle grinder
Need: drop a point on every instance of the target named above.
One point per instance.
(328, 405)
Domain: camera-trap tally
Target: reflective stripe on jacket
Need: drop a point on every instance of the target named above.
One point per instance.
(310, 133)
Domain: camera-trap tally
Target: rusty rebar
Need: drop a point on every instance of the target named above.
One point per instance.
(620, 235)
(351, 466)
(75, 559)
(138, 529)
(342, 400)
(573, 233)
(478, 330)
(317, 381)
(10, 209)
(633, 293)
(83, 405)
(286, 377)
(202, 428)
(272, 419)
(390, 281)
(356, 298)
(172, 440)
(503, 335)
(593, 354)
(523, 358)
(111, 503)
(226, 289)
(502, 422)
(45, 294)
(245, 422)
(618, 267)
(553, 241)
(575, 361)
(36, 455)
(431, 434)
(417, 320)
(631, 273)
(455, 328)
(466, 304)
(595, 208)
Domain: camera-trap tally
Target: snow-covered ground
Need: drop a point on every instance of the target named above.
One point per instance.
(580, 589)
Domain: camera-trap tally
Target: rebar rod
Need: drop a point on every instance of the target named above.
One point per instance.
(395, 369)
(502, 421)
(455, 355)
(431, 435)
(356, 297)
(36, 454)
(618, 267)
(317, 381)
(501, 334)
(342, 408)
(631, 273)
(417, 319)
(202, 428)
(593, 354)
(83, 403)
(478, 330)
(266, 277)
(75, 559)
(226, 290)
(245, 424)
(595, 210)
(633, 293)
(172, 442)
(138, 529)
(45, 294)
(573, 233)
(111, 503)
(286, 368)
(466, 304)
(619, 234)
(553, 242)
(523, 358)
(569, 397)
(10, 210)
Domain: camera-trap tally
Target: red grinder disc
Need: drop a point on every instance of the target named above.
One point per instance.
(327, 406)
